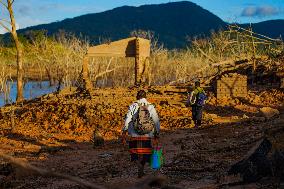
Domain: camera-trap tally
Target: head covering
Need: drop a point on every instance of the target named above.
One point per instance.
(141, 94)
(197, 83)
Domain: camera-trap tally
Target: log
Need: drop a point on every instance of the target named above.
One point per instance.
(47, 173)
(255, 164)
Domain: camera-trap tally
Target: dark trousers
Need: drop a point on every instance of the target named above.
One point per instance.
(197, 115)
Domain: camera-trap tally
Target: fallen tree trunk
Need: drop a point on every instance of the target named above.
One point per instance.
(255, 164)
(259, 166)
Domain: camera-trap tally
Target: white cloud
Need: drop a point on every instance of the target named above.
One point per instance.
(260, 11)
(34, 12)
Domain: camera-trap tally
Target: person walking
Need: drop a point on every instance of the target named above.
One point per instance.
(197, 100)
(143, 126)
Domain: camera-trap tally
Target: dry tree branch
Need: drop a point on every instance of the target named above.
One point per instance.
(207, 81)
(109, 63)
(5, 5)
(5, 27)
(203, 53)
(242, 34)
(4, 20)
(146, 183)
(240, 28)
(46, 173)
(211, 66)
(253, 37)
(105, 72)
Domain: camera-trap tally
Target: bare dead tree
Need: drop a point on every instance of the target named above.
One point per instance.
(10, 26)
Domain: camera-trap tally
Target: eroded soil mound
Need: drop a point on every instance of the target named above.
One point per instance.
(56, 132)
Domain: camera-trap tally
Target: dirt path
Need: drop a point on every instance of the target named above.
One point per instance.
(194, 157)
(48, 138)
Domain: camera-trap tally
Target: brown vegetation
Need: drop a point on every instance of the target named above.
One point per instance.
(56, 131)
(59, 59)
(62, 126)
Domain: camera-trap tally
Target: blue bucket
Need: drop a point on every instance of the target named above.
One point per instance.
(157, 158)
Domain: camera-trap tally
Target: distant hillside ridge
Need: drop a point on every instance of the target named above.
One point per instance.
(172, 23)
(270, 28)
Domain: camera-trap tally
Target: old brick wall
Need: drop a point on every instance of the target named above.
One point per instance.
(231, 86)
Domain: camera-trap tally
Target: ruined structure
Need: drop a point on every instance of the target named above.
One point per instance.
(135, 47)
(231, 86)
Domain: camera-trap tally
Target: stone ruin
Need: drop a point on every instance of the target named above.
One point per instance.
(231, 86)
(135, 47)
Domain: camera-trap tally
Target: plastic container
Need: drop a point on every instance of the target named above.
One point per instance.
(157, 158)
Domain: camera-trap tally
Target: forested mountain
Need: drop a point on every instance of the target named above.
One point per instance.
(172, 23)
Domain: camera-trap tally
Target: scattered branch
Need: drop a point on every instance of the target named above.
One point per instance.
(146, 183)
(46, 173)
(104, 73)
(5, 5)
(240, 28)
(204, 54)
(5, 27)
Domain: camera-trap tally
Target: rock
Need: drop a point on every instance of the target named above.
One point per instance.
(269, 112)
(105, 155)
(235, 117)
(212, 116)
(245, 116)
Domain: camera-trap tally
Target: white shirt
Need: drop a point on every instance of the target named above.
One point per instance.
(133, 108)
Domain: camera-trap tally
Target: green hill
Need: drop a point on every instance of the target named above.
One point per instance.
(172, 23)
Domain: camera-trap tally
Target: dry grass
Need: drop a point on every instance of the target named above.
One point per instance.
(59, 59)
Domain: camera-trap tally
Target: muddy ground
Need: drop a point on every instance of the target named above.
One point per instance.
(56, 133)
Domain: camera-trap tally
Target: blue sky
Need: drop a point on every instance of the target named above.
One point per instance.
(33, 12)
